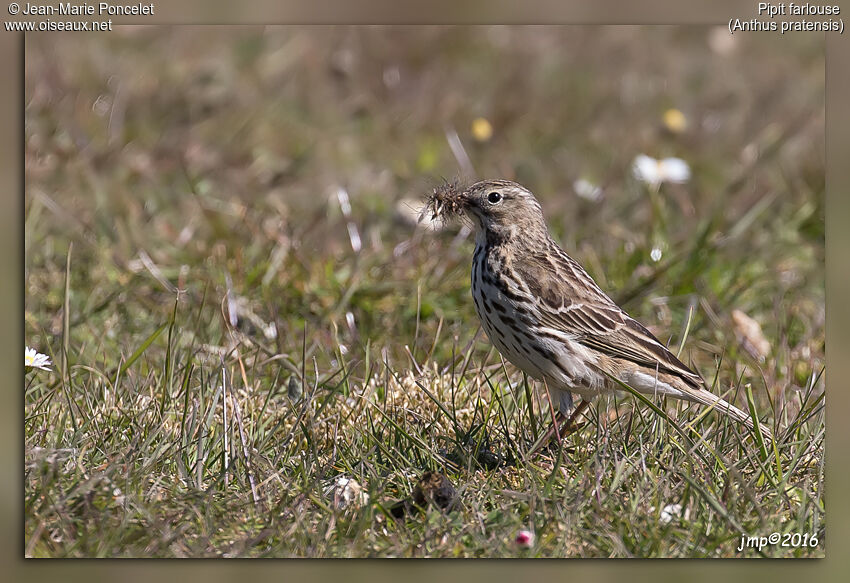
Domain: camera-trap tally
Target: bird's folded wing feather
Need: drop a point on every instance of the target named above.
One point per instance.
(573, 304)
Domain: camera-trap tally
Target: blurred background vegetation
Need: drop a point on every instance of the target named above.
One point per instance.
(222, 162)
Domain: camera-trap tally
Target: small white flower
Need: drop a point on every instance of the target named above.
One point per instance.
(654, 172)
(587, 190)
(669, 512)
(655, 254)
(33, 359)
(347, 491)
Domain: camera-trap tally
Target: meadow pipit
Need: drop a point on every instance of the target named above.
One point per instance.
(548, 317)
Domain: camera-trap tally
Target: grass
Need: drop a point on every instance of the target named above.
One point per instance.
(225, 349)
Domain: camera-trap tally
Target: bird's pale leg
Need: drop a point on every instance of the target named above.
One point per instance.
(570, 425)
(558, 430)
(555, 417)
(553, 431)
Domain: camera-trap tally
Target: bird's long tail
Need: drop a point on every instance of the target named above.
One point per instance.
(704, 397)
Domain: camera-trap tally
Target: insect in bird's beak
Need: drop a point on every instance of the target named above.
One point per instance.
(438, 208)
(446, 201)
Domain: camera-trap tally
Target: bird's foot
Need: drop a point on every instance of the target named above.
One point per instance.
(560, 428)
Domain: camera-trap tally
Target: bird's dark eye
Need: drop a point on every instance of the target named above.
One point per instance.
(494, 198)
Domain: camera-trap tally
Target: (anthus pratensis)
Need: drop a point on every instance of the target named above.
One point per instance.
(548, 317)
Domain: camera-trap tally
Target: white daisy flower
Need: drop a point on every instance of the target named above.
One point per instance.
(345, 492)
(669, 512)
(587, 190)
(33, 359)
(654, 172)
(655, 254)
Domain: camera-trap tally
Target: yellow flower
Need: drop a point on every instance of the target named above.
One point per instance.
(675, 121)
(482, 130)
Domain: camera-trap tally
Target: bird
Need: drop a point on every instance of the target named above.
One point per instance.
(548, 317)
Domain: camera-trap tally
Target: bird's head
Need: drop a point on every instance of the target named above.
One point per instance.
(499, 208)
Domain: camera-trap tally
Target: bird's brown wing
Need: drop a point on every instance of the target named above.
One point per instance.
(572, 303)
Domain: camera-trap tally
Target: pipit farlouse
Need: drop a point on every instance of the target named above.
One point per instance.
(548, 317)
